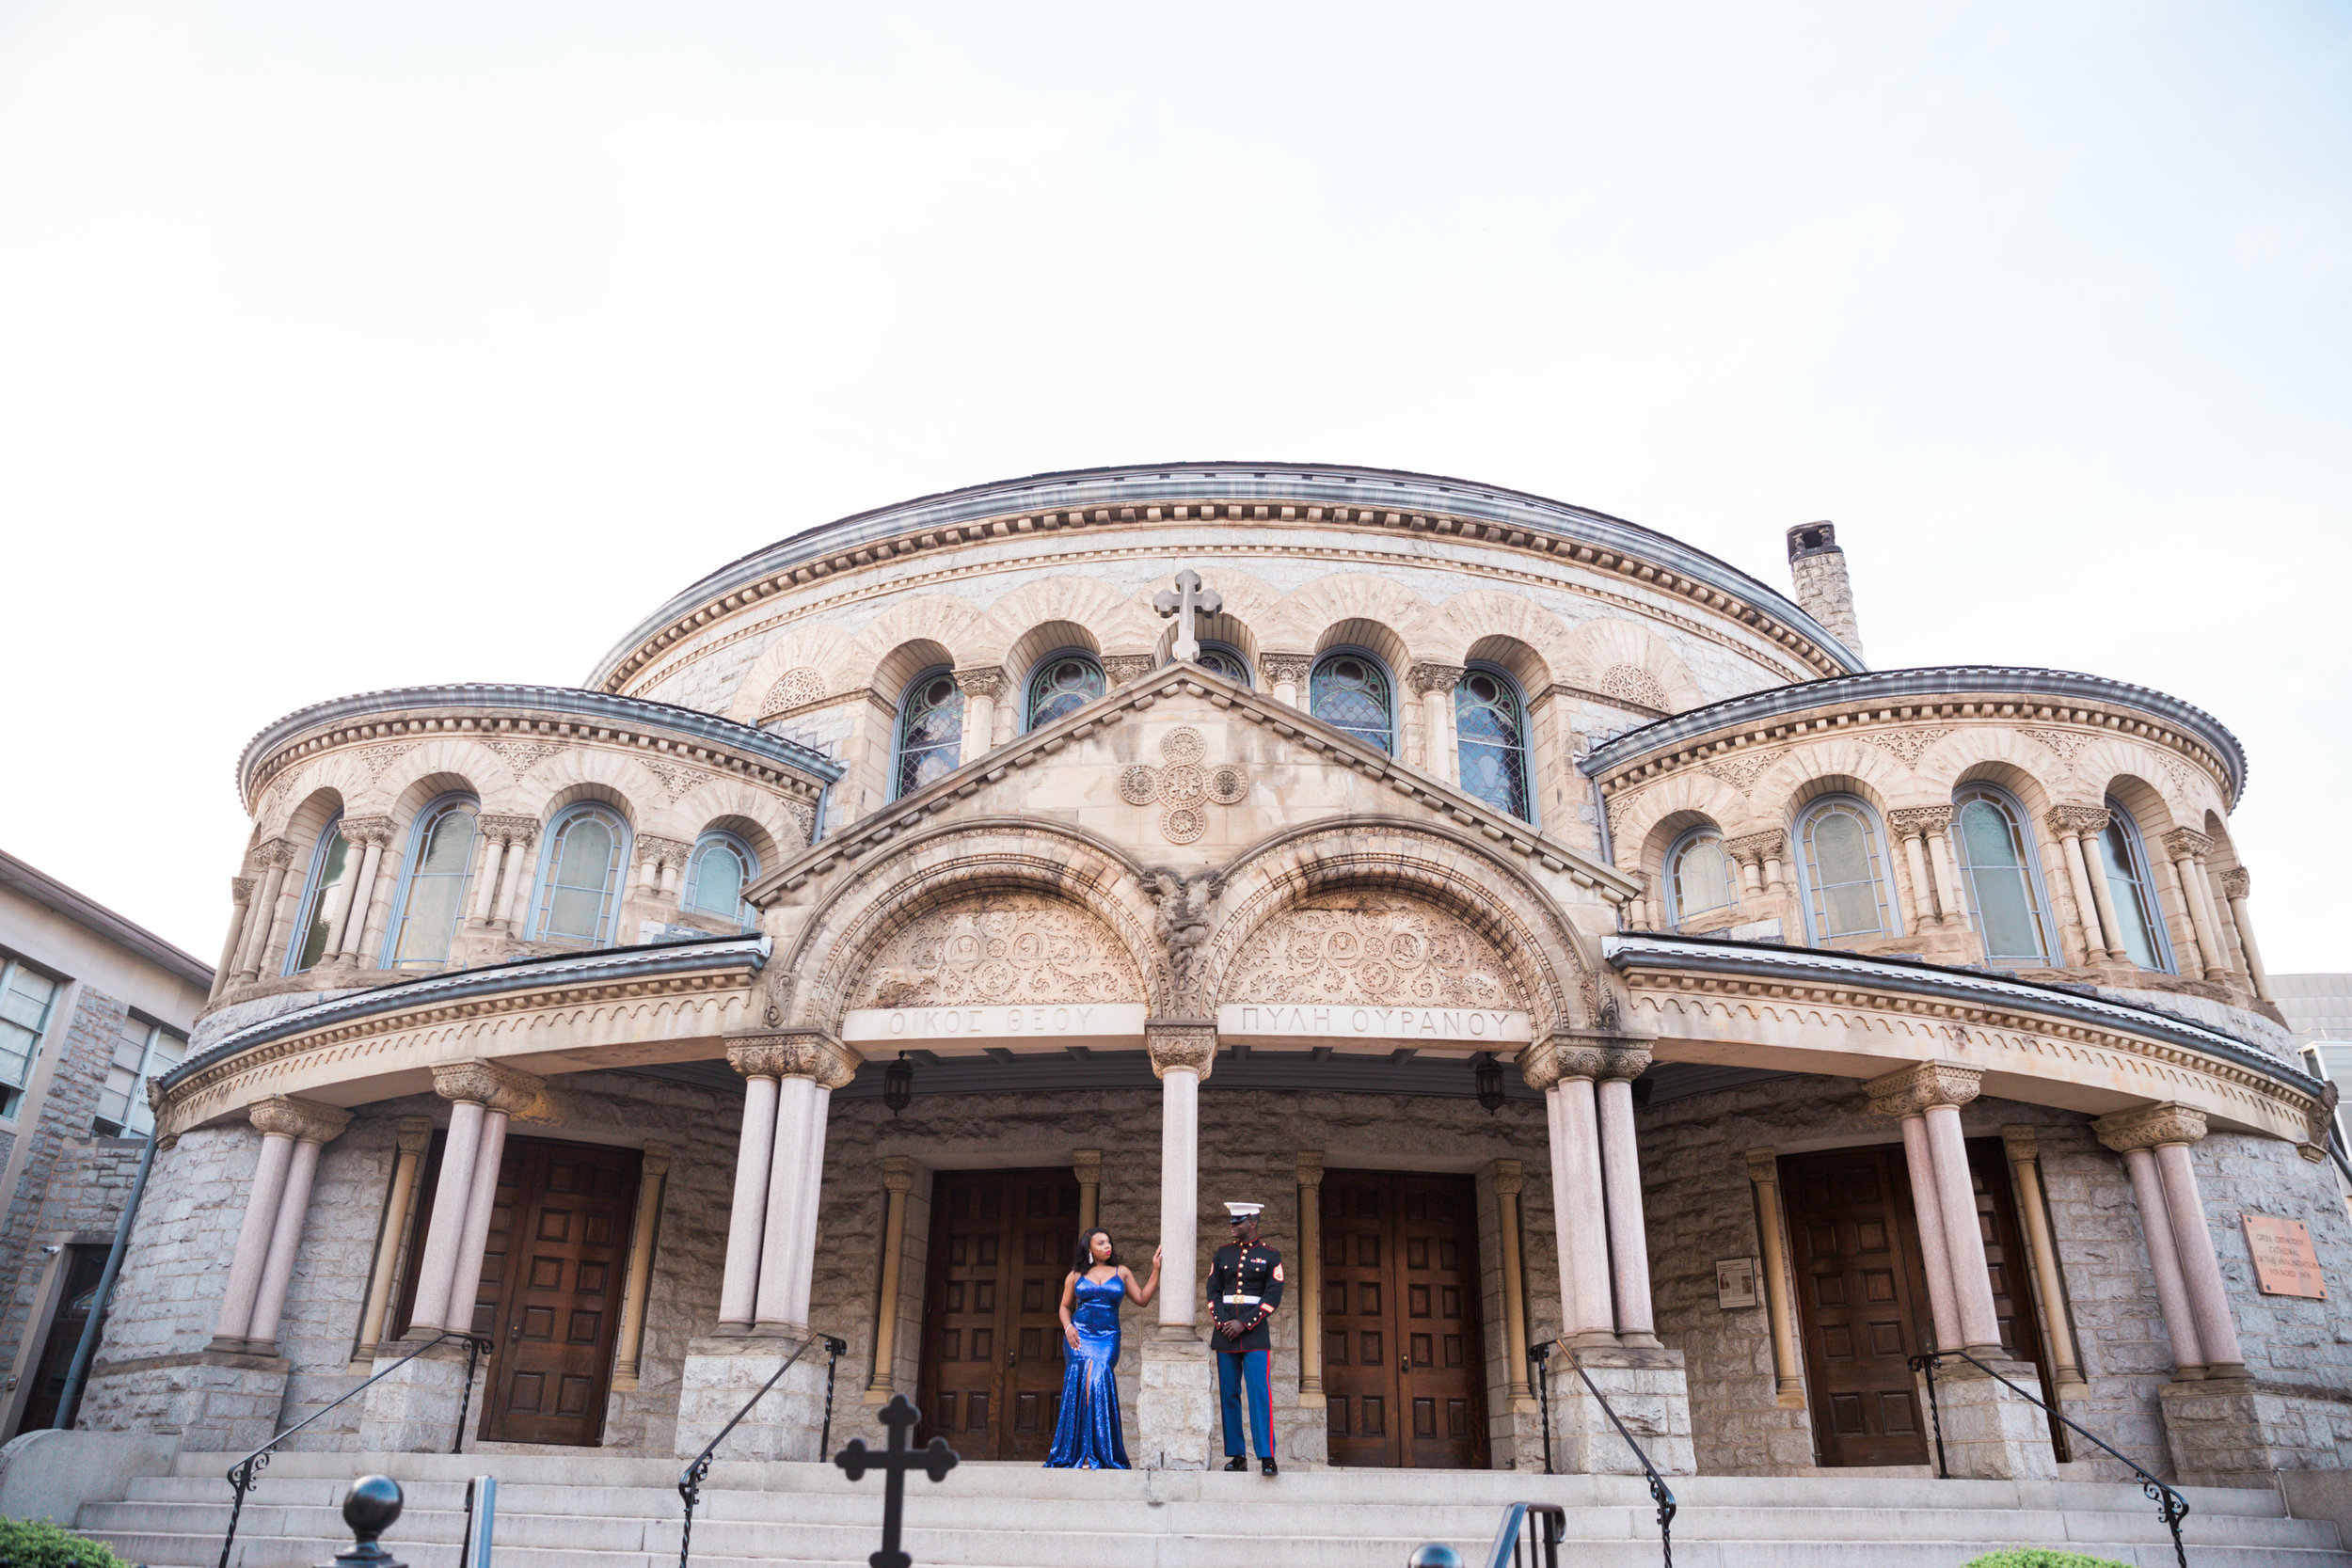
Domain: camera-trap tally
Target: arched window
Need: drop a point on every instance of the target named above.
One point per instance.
(2124, 859)
(323, 896)
(724, 865)
(1998, 863)
(1491, 740)
(931, 731)
(1349, 691)
(1226, 661)
(1063, 683)
(1846, 893)
(580, 876)
(433, 893)
(1698, 875)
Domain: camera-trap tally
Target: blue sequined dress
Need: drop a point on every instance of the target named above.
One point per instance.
(1087, 1436)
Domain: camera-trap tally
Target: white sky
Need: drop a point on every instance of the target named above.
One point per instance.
(344, 348)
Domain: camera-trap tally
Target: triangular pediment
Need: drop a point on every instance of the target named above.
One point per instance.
(1185, 766)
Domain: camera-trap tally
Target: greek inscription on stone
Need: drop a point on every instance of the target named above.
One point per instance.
(1433, 1025)
(994, 1025)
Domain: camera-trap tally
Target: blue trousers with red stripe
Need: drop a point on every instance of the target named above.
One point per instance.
(1237, 1369)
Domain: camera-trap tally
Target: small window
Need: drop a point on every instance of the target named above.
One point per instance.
(724, 865)
(1350, 690)
(26, 997)
(1844, 872)
(1225, 660)
(580, 877)
(931, 731)
(1491, 740)
(1997, 863)
(142, 1050)
(1698, 875)
(432, 895)
(1062, 684)
(2124, 859)
(323, 895)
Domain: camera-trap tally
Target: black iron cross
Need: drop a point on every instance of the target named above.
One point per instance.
(934, 1461)
(1183, 601)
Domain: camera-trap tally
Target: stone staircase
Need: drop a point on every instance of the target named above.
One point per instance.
(592, 1511)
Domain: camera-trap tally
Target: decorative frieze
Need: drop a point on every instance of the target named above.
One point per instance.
(1375, 950)
(1000, 949)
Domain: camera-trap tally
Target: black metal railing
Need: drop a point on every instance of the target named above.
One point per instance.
(2170, 1506)
(1659, 1492)
(1515, 1547)
(1536, 1357)
(245, 1473)
(689, 1480)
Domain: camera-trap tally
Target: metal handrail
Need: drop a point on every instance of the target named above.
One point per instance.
(244, 1476)
(1659, 1492)
(1543, 1550)
(2170, 1506)
(689, 1480)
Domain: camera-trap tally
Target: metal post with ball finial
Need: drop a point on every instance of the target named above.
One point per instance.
(370, 1509)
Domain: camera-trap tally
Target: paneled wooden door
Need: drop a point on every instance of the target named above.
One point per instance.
(1001, 1242)
(1404, 1362)
(551, 1280)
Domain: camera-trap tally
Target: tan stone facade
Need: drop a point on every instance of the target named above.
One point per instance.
(1462, 780)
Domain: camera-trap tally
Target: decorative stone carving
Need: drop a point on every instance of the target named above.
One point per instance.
(1508, 1177)
(2238, 884)
(1126, 669)
(1309, 1164)
(1741, 772)
(1921, 1087)
(1918, 820)
(360, 831)
(662, 851)
(804, 815)
(2149, 1125)
(272, 855)
(981, 680)
(1558, 1057)
(1087, 1166)
(677, 778)
(1172, 1046)
(1183, 786)
(1626, 1062)
(521, 756)
(2066, 743)
(1425, 677)
(374, 759)
(897, 1174)
(793, 1053)
(509, 828)
(2188, 842)
(2068, 821)
(1374, 948)
(303, 1120)
(411, 1134)
(1183, 927)
(2318, 1120)
(1000, 948)
(241, 890)
(1280, 667)
(491, 1084)
(1754, 849)
(1630, 682)
(2022, 1142)
(795, 688)
(1907, 744)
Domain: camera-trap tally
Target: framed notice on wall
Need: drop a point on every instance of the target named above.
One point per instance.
(1735, 1282)
(2286, 1263)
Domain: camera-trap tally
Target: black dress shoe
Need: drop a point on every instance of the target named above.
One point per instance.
(1237, 1463)
(1267, 1465)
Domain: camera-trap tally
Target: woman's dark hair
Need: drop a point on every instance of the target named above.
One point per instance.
(1086, 1249)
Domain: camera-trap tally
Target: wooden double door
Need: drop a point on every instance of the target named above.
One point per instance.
(1001, 1242)
(1861, 1295)
(1404, 1362)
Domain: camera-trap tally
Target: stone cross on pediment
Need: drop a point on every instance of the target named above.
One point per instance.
(1183, 601)
(1184, 789)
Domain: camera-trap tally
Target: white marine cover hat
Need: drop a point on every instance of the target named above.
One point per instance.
(1243, 1211)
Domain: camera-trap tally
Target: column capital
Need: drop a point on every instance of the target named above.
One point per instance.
(490, 1084)
(508, 827)
(2149, 1127)
(1087, 1164)
(412, 1134)
(1923, 1086)
(1285, 667)
(1310, 1168)
(1628, 1062)
(2187, 844)
(1752, 849)
(793, 1053)
(981, 680)
(1763, 1166)
(274, 854)
(2076, 821)
(1429, 675)
(1126, 669)
(2238, 884)
(2021, 1142)
(657, 1160)
(1919, 819)
(1509, 1178)
(366, 830)
(897, 1174)
(1185, 1044)
(661, 851)
(303, 1120)
(1560, 1055)
(241, 889)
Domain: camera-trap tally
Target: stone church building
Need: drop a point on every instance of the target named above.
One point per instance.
(1569, 940)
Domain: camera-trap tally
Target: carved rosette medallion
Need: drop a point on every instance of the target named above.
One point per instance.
(1373, 949)
(1922, 1087)
(2149, 1127)
(1184, 787)
(303, 1120)
(1000, 949)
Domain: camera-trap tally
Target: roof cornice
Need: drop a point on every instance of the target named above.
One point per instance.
(1423, 503)
(93, 916)
(507, 709)
(1929, 688)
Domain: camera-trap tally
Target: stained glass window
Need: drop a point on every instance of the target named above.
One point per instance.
(1350, 691)
(1996, 863)
(931, 731)
(1226, 661)
(1845, 874)
(724, 865)
(583, 873)
(1062, 684)
(441, 863)
(1699, 874)
(1490, 735)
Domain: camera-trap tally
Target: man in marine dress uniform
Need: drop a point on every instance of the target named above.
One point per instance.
(1245, 1288)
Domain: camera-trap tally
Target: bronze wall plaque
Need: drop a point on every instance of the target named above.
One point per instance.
(2284, 1261)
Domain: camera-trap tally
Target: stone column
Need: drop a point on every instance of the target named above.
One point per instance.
(2164, 1259)
(898, 1173)
(1765, 851)
(1509, 1180)
(2187, 848)
(980, 685)
(310, 1127)
(1911, 827)
(1621, 1168)
(2189, 952)
(2077, 830)
(651, 1178)
(1949, 892)
(445, 1226)
(747, 1218)
(271, 859)
(409, 1142)
(520, 835)
(1433, 685)
(808, 1065)
(1788, 1364)
(501, 1091)
(1286, 673)
(1562, 1069)
(2168, 1129)
(241, 902)
(1086, 1165)
(1175, 1404)
(1310, 1279)
(487, 855)
(2237, 886)
(244, 1284)
(1927, 1200)
(347, 938)
(2024, 1167)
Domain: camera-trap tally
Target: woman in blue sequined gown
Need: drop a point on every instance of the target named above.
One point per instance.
(1086, 1435)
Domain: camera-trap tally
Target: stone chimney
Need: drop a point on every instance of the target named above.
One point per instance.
(1818, 567)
